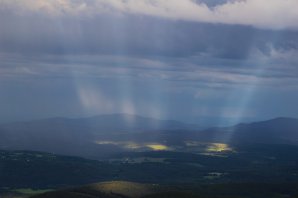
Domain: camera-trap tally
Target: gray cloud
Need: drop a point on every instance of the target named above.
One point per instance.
(276, 67)
(277, 14)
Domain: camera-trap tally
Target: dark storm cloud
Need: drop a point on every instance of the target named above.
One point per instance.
(135, 35)
(38, 42)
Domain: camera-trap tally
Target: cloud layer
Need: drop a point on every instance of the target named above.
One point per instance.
(172, 59)
(275, 14)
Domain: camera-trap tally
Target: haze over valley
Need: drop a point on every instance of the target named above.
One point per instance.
(100, 136)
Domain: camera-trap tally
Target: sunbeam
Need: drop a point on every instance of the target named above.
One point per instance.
(241, 99)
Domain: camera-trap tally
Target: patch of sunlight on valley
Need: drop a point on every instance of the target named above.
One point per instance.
(189, 146)
(128, 189)
(208, 147)
(133, 145)
(157, 147)
(218, 147)
(29, 191)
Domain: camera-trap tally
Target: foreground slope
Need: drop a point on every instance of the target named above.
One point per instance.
(254, 169)
(112, 189)
(123, 189)
(261, 163)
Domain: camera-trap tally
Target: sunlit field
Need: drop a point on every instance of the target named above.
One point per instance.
(136, 146)
(189, 146)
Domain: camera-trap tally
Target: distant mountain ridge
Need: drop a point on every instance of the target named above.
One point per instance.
(112, 122)
(280, 130)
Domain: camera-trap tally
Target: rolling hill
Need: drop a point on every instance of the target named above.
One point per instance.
(123, 189)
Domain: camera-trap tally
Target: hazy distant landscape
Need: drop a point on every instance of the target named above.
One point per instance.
(101, 136)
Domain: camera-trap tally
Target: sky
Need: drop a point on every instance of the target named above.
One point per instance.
(215, 62)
